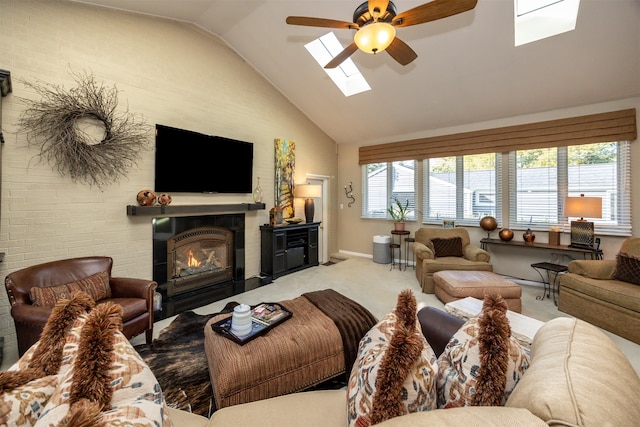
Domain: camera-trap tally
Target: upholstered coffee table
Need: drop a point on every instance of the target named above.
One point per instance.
(303, 351)
(451, 285)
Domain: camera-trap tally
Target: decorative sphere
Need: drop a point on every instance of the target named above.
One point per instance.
(488, 223)
(146, 198)
(164, 199)
(506, 234)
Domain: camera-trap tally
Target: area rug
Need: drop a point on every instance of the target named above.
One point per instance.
(178, 360)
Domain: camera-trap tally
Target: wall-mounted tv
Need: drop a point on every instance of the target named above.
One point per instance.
(191, 162)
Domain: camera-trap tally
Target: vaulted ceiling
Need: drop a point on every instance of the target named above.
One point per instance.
(467, 71)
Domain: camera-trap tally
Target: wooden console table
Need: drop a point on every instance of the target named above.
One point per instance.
(592, 253)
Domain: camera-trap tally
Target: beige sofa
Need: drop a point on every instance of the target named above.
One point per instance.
(590, 292)
(427, 262)
(577, 377)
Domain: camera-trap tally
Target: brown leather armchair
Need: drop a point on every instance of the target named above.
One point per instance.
(134, 295)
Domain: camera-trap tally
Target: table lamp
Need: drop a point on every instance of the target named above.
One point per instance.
(582, 230)
(308, 192)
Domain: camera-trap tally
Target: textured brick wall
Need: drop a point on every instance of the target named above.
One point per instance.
(170, 73)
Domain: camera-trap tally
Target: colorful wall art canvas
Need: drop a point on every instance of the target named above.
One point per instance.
(285, 158)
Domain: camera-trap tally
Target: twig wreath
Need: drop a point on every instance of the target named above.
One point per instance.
(54, 124)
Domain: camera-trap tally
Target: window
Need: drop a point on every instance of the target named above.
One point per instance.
(346, 76)
(538, 19)
(467, 188)
(385, 181)
(461, 188)
(540, 179)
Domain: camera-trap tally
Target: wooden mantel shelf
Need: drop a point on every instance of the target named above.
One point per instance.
(133, 210)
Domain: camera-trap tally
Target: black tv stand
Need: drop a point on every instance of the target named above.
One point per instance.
(288, 248)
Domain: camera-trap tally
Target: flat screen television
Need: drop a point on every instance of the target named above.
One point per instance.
(191, 162)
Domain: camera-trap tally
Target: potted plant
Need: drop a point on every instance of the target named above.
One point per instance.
(398, 213)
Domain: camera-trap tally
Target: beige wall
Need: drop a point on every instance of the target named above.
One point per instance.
(356, 234)
(170, 73)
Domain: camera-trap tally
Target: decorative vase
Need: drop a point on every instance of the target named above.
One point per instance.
(506, 234)
(275, 216)
(529, 236)
(146, 198)
(257, 193)
(164, 199)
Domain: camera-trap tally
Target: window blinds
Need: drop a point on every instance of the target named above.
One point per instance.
(603, 127)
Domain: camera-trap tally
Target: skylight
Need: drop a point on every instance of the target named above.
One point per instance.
(539, 19)
(346, 76)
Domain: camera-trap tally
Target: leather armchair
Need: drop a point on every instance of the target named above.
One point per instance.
(134, 295)
(473, 258)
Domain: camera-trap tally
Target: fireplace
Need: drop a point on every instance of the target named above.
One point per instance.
(196, 252)
(199, 257)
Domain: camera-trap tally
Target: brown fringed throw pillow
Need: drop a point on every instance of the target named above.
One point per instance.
(482, 363)
(33, 380)
(91, 389)
(96, 285)
(447, 247)
(395, 369)
(45, 359)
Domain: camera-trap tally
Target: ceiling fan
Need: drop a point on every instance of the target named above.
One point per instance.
(376, 22)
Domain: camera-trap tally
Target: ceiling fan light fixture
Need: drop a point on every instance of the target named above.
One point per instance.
(375, 37)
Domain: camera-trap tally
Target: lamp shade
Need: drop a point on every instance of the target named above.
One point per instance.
(307, 191)
(590, 207)
(375, 37)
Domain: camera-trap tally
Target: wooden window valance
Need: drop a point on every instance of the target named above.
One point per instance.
(603, 127)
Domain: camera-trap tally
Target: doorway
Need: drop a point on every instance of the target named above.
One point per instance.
(321, 214)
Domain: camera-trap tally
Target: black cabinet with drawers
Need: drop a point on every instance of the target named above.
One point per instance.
(288, 248)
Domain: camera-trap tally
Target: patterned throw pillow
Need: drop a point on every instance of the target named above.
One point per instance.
(96, 285)
(447, 247)
(627, 268)
(482, 363)
(395, 369)
(134, 395)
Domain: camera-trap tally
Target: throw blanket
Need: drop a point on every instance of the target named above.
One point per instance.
(352, 320)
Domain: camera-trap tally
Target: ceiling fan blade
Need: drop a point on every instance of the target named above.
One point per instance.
(401, 52)
(347, 52)
(432, 11)
(320, 22)
(380, 5)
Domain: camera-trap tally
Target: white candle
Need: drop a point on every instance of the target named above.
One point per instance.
(241, 320)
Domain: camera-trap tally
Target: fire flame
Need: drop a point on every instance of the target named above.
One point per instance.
(192, 261)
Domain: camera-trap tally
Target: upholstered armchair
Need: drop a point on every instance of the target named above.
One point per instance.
(439, 249)
(33, 291)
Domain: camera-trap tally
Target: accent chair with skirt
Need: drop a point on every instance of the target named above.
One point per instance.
(439, 249)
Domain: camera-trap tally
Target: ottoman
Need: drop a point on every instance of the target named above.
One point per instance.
(301, 352)
(454, 285)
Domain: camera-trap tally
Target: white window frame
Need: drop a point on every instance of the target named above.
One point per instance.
(617, 219)
(384, 193)
(464, 195)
